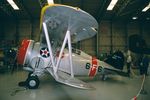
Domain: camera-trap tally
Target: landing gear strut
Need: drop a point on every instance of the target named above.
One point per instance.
(104, 77)
(32, 82)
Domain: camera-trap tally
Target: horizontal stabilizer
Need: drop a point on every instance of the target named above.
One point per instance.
(71, 81)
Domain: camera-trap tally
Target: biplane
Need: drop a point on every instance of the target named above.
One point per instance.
(60, 26)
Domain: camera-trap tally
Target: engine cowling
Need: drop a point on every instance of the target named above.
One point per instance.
(24, 51)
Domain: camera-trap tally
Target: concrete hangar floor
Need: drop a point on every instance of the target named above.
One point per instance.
(114, 88)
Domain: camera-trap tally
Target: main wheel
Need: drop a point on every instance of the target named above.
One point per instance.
(32, 82)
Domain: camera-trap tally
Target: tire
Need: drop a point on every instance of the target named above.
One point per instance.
(32, 82)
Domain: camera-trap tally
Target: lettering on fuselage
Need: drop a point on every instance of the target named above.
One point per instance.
(93, 68)
(88, 65)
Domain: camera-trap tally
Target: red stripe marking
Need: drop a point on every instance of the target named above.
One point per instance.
(22, 51)
(94, 67)
(58, 52)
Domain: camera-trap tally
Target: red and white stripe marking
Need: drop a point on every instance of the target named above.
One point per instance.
(93, 68)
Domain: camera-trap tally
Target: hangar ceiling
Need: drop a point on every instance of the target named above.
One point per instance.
(123, 10)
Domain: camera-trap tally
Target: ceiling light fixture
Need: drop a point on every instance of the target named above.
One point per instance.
(134, 18)
(50, 1)
(148, 18)
(112, 4)
(146, 8)
(12, 3)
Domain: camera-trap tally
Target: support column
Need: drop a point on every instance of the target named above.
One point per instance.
(17, 33)
(111, 36)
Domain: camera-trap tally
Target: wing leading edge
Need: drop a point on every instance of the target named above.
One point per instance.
(60, 18)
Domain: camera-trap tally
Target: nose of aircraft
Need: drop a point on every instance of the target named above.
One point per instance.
(22, 51)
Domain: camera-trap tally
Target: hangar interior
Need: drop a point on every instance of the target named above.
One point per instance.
(115, 27)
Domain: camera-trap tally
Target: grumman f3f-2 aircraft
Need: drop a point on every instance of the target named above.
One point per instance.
(60, 26)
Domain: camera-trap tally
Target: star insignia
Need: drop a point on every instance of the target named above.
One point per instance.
(44, 52)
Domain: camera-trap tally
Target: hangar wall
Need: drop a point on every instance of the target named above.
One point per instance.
(28, 29)
(13, 32)
(146, 32)
(1, 31)
(112, 35)
(7, 33)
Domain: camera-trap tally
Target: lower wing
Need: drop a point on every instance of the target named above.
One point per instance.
(71, 81)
